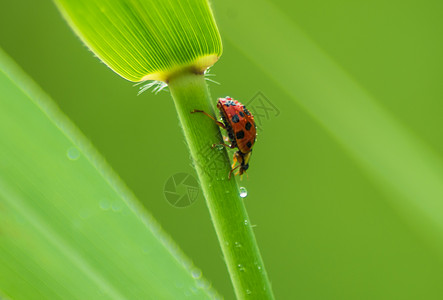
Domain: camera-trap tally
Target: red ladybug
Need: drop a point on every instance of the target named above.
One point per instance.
(242, 132)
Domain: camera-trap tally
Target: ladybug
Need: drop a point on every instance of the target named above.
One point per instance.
(242, 132)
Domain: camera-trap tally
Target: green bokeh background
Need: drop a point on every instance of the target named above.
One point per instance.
(326, 230)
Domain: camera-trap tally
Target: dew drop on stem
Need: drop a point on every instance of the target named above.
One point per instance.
(196, 273)
(73, 153)
(104, 204)
(243, 192)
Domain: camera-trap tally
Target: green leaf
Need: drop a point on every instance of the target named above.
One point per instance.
(146, 39)
(69, 228)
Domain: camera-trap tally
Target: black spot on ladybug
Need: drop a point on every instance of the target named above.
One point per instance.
(235, 119)
(240, 134)
(246, 111)
(248, 126)
(241, 114)
(249, 144)
(229, 103)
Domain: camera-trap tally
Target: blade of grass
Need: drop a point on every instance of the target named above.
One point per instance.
(69, 228)
(401, 163)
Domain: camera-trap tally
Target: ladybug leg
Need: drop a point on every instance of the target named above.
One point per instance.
(223, 144)
(216, 122)
(234, 159)
(232, 170)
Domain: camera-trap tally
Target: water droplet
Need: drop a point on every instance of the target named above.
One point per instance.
(241, 268)
(203, 284)
(248, 292)
(259, 268)
(193, 289)
(116, 206)
(187, 264)
(237, 245)
(104, 204)
(243, 192)
(196, 273)
(246, 222)
(216, 297)
(73, 153)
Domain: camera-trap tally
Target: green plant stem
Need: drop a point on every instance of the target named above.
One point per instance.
(226, 207)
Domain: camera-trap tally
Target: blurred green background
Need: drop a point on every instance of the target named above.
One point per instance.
(326, 230)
